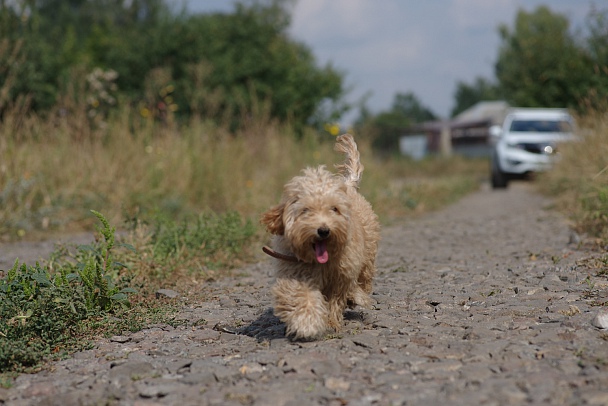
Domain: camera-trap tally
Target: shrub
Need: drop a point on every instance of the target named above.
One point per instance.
(41, 310)
(579, 180)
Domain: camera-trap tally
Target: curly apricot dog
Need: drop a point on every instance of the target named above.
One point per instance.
(325, 243)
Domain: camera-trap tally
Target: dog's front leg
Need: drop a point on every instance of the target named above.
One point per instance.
(336, 306)
(301, 307)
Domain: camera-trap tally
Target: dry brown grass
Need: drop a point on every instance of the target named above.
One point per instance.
(56, 168)
(579, 181)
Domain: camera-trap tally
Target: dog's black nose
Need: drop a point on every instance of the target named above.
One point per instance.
(323, 232)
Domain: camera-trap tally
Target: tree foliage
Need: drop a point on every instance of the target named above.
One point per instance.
(542, 63)
(597, 54)
(539, 63)
(220, 66)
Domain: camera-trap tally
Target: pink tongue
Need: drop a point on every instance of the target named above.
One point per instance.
(321, 251)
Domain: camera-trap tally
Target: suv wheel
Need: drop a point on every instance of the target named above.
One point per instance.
(499, 179)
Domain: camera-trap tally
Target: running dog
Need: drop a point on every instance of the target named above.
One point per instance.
(325, 240)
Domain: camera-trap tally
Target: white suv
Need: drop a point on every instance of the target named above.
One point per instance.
(527, 142)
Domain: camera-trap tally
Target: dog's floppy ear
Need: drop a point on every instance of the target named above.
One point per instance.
(273, 220)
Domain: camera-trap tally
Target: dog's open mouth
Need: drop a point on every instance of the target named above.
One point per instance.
(321, 251)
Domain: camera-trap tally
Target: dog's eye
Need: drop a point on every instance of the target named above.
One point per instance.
(335, 209)
(304, 210)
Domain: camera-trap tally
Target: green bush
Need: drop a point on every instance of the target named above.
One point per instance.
(41, 310)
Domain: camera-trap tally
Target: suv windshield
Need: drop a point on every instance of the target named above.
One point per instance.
(541, 126)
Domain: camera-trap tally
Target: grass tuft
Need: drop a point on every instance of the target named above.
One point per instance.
(579, 181)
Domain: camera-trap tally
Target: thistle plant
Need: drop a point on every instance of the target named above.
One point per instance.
(42, 308)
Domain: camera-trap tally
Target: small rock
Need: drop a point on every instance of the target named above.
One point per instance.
(171, 294)
(39, 389)
(120, 339)
(337, 384)
(204, 335)
(325, 367)
(131, 370)
(251, 369)
(574, 238)
(157, 391)
(601, 319)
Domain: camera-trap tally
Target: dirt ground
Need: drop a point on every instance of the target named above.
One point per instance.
(482, 303)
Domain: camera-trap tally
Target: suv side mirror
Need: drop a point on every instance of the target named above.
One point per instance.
(495, 131)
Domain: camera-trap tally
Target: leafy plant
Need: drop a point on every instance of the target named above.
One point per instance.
(41, 310)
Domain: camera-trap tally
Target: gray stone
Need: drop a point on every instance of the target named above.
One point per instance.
(600, 320)
(120, 339)
(166, 293)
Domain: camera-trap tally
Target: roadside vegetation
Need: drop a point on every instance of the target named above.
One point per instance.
(173, 152)
(579, 181)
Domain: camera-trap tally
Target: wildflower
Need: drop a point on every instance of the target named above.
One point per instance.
(334, 129)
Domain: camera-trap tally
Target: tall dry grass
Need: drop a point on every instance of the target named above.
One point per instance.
(56, 168)
(579, 181)
(51, 174)
(128, 162)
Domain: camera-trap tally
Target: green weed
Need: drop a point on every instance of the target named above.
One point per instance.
(217, 239)
(42, 310)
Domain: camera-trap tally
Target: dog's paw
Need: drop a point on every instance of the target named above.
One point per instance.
(358, 298)
(306, 328)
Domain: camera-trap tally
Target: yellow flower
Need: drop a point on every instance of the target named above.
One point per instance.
(334, 129)
(145, 113)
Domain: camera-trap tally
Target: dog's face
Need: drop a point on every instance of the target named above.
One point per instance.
(313, 215)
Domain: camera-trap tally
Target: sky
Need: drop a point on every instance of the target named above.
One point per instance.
(426, 47)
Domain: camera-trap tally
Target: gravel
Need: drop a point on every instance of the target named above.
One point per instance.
(482, 303)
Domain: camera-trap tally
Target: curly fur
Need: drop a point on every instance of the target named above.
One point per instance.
(324, 222)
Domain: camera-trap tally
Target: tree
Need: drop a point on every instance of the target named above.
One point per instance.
(222, 66)
(57, 36)
(539, 63)
(251, 59)
(597, 54)
(468, 95)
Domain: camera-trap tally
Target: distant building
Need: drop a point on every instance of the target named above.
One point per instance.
(467, 133)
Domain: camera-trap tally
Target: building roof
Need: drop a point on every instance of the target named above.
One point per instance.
(493, 111)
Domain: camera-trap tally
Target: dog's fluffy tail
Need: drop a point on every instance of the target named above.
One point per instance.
(352, 168)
